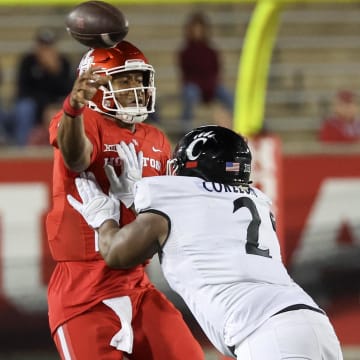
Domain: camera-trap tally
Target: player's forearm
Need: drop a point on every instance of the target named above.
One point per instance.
(72, 140)
(74, 144)
(125, 247)
(109, 237)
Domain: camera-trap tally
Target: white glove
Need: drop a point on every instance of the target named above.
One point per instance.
(122, 187)
(96, 207)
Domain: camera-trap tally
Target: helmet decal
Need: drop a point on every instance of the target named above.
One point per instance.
(86, 62)
(202, 137)
(247, 168)
(232, 166)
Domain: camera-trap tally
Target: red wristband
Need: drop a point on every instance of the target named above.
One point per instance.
(70, 110)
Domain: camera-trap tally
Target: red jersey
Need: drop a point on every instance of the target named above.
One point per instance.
(341, 131)
(81, 278)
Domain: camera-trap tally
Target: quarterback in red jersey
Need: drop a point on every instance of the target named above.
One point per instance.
(96, 312)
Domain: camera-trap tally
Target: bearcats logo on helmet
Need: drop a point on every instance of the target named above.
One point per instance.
(202, 137)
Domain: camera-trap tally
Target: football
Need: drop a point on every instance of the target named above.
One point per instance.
(97, 24)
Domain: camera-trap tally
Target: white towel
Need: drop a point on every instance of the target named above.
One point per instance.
(123, 339)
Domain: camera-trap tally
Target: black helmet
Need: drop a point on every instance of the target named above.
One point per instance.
(213, 153)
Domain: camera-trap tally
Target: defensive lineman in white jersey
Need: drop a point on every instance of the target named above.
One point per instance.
(218, 248)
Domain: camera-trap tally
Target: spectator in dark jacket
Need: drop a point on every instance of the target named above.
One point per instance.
(199, 63)
(44, 77)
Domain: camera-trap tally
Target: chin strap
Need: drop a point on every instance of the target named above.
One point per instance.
(131, 119)
(126, 118)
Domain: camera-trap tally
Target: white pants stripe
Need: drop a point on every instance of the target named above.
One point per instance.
(63, 344)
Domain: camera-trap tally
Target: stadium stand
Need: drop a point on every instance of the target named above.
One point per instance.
(315, 54)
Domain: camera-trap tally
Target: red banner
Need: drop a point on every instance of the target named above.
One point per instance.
(322, 231)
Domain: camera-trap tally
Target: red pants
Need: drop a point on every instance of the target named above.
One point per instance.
(159, 333)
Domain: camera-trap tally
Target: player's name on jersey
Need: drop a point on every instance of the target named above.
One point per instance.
(217, 187)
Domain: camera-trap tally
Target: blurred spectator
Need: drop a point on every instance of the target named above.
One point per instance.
(200, 70)
(3, 116)
(39, 135)
(343, 125)
(44, 77)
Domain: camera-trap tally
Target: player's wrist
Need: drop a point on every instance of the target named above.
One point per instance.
(108, 225)
(71, 110)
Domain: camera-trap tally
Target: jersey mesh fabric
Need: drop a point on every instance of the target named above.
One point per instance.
(230, 288)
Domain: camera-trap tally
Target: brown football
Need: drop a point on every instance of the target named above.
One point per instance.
(97, 24)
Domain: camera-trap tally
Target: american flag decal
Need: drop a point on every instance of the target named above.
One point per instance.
(232, 166)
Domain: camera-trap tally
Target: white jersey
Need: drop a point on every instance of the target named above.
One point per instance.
(222, 255)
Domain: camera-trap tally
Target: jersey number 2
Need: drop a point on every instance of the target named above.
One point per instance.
(252, 236)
